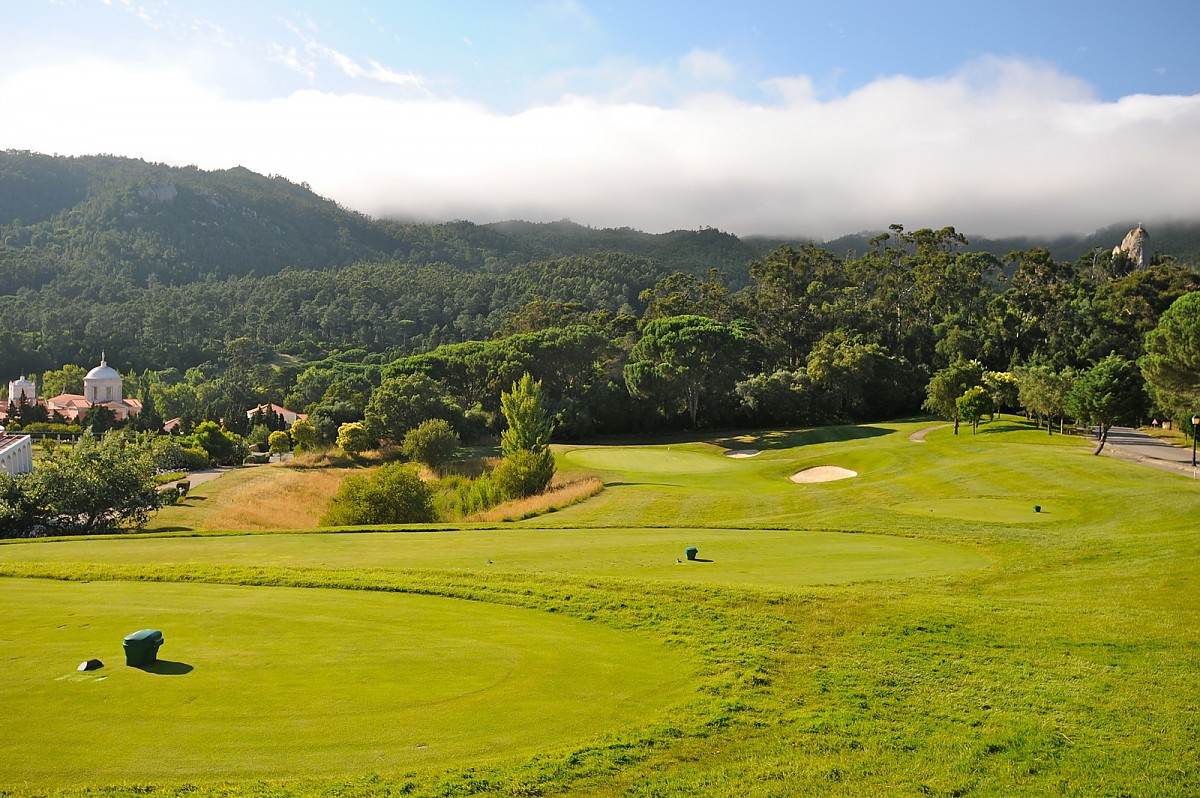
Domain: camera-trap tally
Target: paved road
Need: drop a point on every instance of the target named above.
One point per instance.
(919, 435)
(1130, 444)
(199, 477)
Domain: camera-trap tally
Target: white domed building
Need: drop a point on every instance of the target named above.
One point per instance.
(22, 389)
(102, 386)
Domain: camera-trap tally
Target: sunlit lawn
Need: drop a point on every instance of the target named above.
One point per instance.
(916, 630)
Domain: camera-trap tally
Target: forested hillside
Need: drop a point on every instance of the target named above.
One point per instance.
(218, 290)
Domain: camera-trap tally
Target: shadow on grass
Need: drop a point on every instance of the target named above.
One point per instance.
(165, 667)
(790, 439)
(1001, 426)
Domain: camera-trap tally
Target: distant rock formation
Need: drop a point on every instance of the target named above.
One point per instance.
(159, 192)
(1137, 246)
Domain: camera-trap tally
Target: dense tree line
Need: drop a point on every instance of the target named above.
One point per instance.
(218, 291)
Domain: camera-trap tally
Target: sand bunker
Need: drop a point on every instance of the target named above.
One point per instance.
(741, 453)
(822, 474)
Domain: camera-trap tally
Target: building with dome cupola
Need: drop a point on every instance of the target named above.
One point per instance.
(101, 386)
(22, 390)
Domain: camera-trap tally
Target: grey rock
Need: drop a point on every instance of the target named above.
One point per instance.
(1136, 245)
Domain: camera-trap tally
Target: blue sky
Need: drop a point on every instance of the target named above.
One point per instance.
(814, 118)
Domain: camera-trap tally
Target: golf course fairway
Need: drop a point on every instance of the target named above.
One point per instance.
(736, 557)
(919, 629)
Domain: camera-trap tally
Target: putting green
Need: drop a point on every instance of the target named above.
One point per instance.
(744, 557)
(259, 683)
(652, 459)
(993, 510)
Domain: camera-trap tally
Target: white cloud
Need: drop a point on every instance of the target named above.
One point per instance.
(566, 11)
(705, 65)
(384, 75)
(290, 58)
(317, 52)
(1003, 147)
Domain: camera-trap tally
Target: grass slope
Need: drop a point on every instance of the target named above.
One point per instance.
(1030, 654)
(252, 499)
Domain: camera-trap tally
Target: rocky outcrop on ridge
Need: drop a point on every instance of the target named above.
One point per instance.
(1137, 246)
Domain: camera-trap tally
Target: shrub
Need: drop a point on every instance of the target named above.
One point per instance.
(90, 486)
(171, 455)
(433, 442)
(279, 442)
(223, 447)
(393, 495)
(352, 438)
(258, 436)
(58, 429)
(524, 473)
(305, 435)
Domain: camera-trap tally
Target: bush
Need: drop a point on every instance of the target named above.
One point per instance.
(223, 447)
(279, 442)
(524, 473)
(352, 438)
(258, 437)
(88, 487)
(305, 436)
(393, 495)
(171, 455)
(58, 429)
(433, 443)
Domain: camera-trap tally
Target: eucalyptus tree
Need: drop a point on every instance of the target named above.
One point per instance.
(799, 295)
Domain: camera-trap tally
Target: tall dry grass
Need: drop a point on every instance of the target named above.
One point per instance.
(294, 498)
(556, 498)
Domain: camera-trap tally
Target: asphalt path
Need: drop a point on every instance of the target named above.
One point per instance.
(195, 478)
(1138, 447)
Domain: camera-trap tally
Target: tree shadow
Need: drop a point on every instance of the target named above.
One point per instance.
(165, 667)
(996, 427)
(790, 439)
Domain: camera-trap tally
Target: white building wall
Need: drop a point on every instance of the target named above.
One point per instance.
(16, 454)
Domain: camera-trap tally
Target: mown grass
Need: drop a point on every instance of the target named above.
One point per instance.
(1063, 664)
(385, 681)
